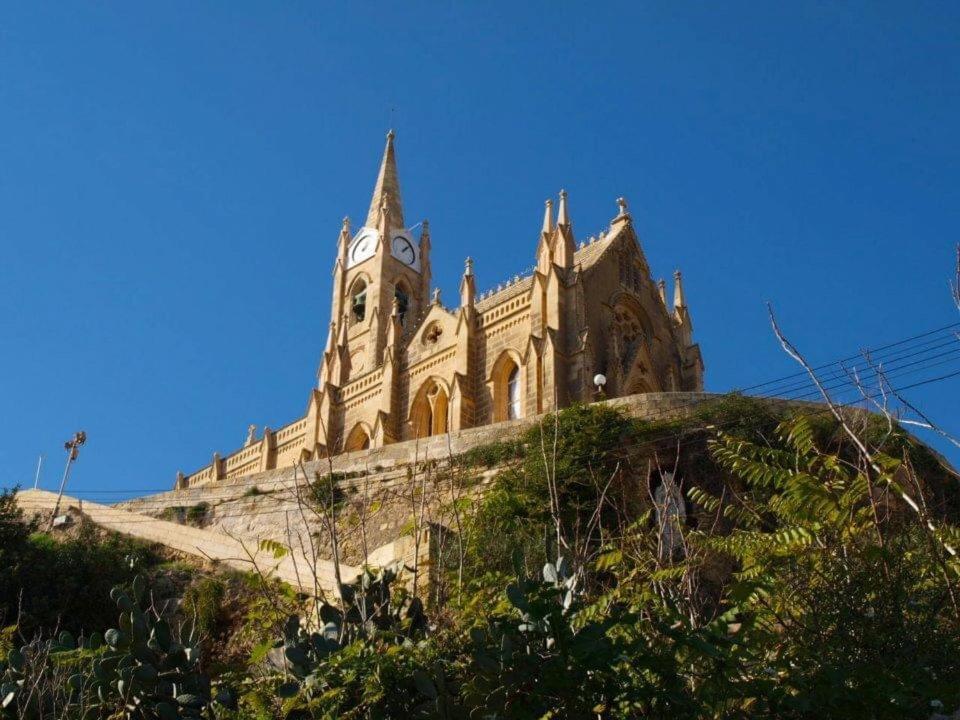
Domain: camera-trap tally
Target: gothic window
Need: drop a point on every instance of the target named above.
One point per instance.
(358, 301)
(631, 275)
(506, 388)
(358, 439)
(513, 394)
(403, 302)
(629, 333)
(428, 416)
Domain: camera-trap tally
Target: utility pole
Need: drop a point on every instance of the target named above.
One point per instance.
(72, 446)
(36, 478)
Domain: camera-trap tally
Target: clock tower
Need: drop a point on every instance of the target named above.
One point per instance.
(381, 282)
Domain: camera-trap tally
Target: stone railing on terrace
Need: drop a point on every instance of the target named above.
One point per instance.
(243, 462)
(288, 441)
(282, 446)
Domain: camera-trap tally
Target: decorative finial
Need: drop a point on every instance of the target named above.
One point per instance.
(468, 266)
(390, 134)
(548, 218)
(678, 298)
(436, 296)
(622, 203)
(662, 290)
(563, 214)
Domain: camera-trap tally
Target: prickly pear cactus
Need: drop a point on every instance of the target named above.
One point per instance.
(136, 671)
(369, 611)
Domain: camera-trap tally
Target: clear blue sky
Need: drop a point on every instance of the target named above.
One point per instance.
(173, 176)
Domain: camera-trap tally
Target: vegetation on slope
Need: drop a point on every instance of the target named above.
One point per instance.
(747, 561)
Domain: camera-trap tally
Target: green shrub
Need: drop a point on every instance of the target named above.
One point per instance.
(65, 579)
(493, 454)
(174, 513)
(203, 603)
(196, 514)
(581, 447)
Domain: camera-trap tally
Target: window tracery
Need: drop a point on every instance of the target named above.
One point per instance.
(629, 335)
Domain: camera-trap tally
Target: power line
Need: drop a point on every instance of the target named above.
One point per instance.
(951, 326)
(875, 360)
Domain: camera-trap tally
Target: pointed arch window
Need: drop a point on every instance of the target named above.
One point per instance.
(506, 388)
(513, 394)
(358, 301)
(403, 302)
(428, 415)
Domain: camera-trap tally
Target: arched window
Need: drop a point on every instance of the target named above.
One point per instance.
(513, 394)
(403, 301)
(630, 329)
(358, 301)
(506, 387)
(358, 439)
(428, 415)
(629, 334)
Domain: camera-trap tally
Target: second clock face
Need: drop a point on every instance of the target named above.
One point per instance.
(405, 250)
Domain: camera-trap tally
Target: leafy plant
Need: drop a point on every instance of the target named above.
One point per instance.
(138, 669)
(370, 612)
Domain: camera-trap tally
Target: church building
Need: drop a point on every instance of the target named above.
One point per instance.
(398, 364)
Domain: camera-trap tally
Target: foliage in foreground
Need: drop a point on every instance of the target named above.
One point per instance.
(809, 580)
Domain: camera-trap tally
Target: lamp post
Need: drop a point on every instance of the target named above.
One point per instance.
(72, 446)
(600, 380)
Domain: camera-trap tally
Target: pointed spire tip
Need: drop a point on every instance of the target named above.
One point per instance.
(386, 192)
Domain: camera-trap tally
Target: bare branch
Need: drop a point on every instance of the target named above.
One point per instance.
(793, 352)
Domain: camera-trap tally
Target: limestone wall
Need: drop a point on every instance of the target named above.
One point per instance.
(652, 405)
(378, 490)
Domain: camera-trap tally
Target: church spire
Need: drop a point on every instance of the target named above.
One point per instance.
(386, 193)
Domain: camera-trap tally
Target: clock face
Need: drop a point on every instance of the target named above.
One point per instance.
(362, 246)
(403, 249)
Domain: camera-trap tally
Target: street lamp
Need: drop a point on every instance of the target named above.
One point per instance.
(72, 446)
(599, 380)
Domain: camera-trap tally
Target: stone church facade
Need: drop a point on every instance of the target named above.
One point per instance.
(399, 365)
